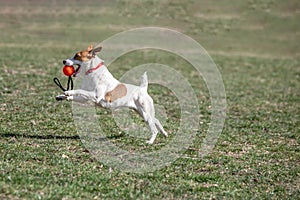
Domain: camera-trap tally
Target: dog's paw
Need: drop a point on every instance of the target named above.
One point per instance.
(102, 103)
(149, 142)
(69, 93)
(165, 133)
(61, 97)
(69, 98)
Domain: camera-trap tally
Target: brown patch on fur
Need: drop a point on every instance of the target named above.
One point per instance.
(87, 54)
(84, 55)
(119, 92)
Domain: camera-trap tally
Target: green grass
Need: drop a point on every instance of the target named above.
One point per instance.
(255, 45)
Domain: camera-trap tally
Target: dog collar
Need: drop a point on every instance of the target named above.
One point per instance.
(94, 68)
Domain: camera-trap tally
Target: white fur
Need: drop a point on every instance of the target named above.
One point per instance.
(96, 84)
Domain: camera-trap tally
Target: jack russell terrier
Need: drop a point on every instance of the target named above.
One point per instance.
(100, 87)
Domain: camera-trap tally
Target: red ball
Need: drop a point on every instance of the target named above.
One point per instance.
(68, 70)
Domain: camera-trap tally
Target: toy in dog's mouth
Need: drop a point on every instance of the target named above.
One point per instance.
(69, 70)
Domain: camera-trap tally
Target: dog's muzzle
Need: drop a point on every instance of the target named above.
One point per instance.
(68, 62)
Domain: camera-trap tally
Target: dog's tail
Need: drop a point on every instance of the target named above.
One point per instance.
(144, 81)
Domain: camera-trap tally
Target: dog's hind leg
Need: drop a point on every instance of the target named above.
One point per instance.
(143, 107)
(150, 121)
(160, 127)
(151, 110)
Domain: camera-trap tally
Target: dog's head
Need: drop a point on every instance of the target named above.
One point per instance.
(82, 57)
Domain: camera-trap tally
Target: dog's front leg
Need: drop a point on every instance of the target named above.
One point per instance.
(80, 95)
(79, 99)
(100, 92)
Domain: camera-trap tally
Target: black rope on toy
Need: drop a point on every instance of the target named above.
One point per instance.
(70, 83)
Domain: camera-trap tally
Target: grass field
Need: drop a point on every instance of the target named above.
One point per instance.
(255, 45)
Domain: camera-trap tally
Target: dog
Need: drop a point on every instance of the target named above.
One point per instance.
(100, 87)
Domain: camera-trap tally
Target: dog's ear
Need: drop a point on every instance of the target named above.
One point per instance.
(90, 48)
(96, 50)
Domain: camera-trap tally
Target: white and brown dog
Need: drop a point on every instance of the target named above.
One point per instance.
(100, 87)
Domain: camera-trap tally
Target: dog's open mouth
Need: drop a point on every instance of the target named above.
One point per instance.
(77, 70)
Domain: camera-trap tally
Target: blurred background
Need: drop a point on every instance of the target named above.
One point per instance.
(264, 28)
(254, 43)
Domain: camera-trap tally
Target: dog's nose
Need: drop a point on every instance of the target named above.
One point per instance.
(68, 62)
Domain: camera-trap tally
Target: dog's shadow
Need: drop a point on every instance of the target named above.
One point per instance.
(41, 137)
(52, 137)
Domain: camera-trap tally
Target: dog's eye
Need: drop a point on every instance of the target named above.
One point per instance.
(77, 57)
